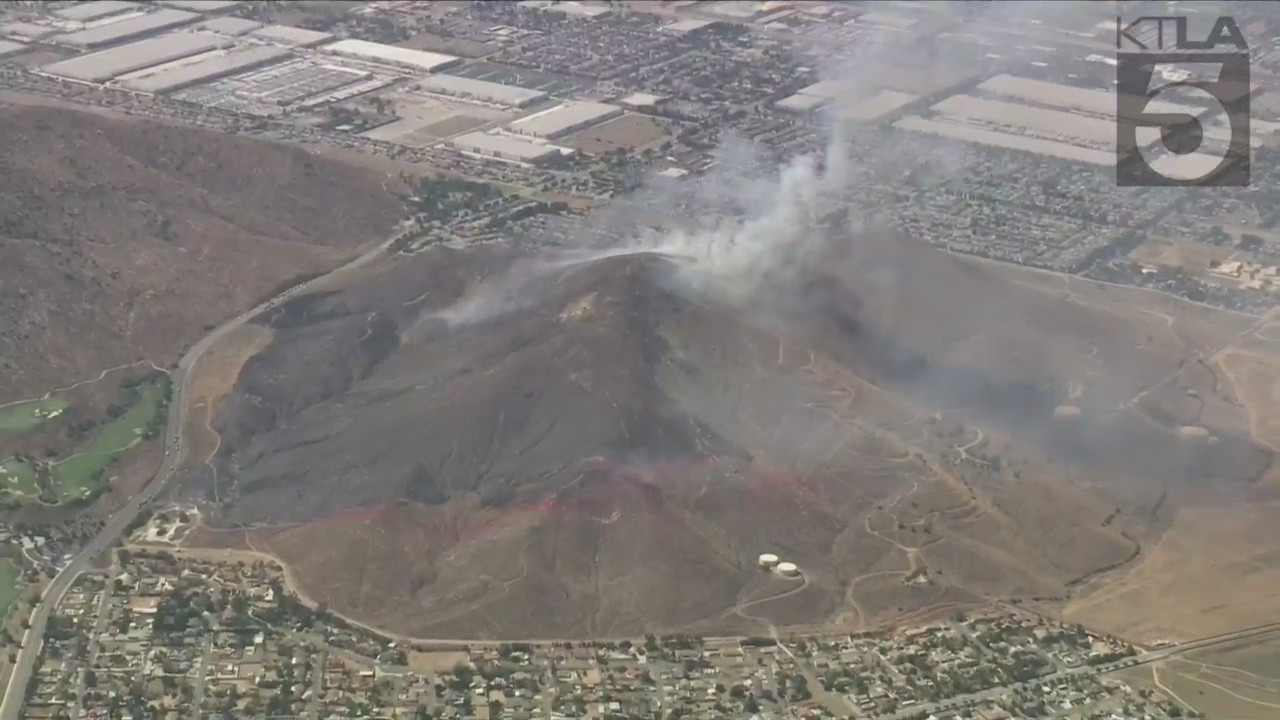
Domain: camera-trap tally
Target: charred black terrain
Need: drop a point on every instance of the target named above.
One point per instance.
(606, 448)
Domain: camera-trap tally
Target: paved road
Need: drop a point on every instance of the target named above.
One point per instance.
(1139, 659)
(33, 638)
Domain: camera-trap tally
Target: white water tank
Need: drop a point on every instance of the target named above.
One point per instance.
(768, 561)
(788, 569)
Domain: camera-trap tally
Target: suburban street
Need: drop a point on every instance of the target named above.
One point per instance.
(33, 638)
(1139, 659)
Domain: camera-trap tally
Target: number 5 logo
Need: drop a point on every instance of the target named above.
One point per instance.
(1159, 143)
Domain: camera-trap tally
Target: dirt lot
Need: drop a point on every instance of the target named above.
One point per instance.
(1255, 379)
(1214, 570)
(1237, 681)
(631, 133)
(1192, 256)
(212, 378)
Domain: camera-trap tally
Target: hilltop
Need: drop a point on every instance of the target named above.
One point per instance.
(125, 240)
(605, 446)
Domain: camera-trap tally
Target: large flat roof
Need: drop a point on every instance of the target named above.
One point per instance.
(126, 29)
(107, 64)
(480, 89)
(27, 31)
(882, 103)
(201, 5)
(289, 35)
(829, 89)
(230, 25)
(86, 11)
(390, 53)
(1095, 102)
(9, 47)
(563, 117)
(1044, 123)
(995, 138)
(801, 102)
(212, 67)
(505, 145)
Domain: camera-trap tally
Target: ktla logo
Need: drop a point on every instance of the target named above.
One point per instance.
(1182, 105)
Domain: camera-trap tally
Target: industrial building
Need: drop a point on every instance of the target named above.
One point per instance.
(130, 29)
(1101, 103)
(642, 100)
(233, 26)
(26, 31)
(9, 47)
(877, 106)
(684, 26)
(90, 11)
(568, 7)
(503, 147)
(800, 103)
(106, 64)
(564, 118)
(994, 138)
(808, 99)
(1073, 128)
(207, 69)
(380, 52)
(203, 6)
(292, 36)
(268, 91)
(482, 90)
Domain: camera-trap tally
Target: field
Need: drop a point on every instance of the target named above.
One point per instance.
(18, 477)
(209, 381)
(629, 132)
(1194, 257)
(1240, 681)
(26, 415)
(10, 585)
(78, 476)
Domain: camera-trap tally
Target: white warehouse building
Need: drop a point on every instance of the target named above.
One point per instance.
(563, 119)
(503, 147)
(482, 90)
(391, 54)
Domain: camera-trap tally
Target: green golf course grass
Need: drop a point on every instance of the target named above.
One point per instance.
(78, 476)
(18, 477)
(10, 586)
(25, 415)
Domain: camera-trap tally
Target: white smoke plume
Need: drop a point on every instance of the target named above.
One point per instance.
(751, 220)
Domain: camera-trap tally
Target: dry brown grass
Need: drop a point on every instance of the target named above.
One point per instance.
(629, 132)
(1255, 380)
(135, 236)
(210, 380)
(1214, 570)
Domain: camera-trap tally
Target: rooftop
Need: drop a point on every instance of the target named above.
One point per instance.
(289, 35)
(9, 47)
(390, 53)
(86, 11)
(107, 64)
(502, 145)
(563, 118)
(201, 5)
(230, 25)
(125, 29)
(480, 89)
(208, 68)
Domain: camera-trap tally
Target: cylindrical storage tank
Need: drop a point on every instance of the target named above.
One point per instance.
(788, 569)
(768, 561)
